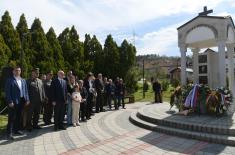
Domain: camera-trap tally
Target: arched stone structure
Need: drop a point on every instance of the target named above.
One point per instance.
(204, 32)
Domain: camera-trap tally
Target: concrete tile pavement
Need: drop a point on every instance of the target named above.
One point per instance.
(108, 133)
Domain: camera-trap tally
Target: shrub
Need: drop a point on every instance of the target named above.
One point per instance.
(165, 85)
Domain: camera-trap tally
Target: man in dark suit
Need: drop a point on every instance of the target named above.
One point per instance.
(59, 97)
(17, 97)
(48, 109)
(89, 85)
(157, 91)
(83, 104)
(120, 93)
(37, 98)
(99, 87)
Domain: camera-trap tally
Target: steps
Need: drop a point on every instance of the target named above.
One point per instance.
(155, 118)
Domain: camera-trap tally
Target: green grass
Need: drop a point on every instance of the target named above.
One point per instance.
(149, 95)
(3, 123)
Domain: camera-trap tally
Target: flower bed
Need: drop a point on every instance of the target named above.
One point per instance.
(201, 99)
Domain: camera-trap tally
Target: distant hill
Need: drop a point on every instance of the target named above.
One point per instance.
(159, 65)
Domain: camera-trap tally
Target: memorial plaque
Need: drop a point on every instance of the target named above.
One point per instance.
(203, 69)
(203, 79)
(202, 58)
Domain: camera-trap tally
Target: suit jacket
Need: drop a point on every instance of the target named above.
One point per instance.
(99, 86)
(12, 91)
(36, 90)
(87, 86)
(59, 91)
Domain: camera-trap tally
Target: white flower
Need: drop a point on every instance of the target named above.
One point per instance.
(226, 91)
(228, 95)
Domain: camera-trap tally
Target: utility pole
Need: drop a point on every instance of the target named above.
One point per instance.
(143, 80)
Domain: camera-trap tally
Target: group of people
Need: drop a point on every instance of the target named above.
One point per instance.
(64, 97)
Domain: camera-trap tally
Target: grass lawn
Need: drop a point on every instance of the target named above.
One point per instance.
(149, 95)
(3, 123)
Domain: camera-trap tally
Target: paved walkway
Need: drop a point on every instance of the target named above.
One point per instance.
(107, 133)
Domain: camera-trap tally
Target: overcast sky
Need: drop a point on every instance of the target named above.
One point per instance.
(153, 22)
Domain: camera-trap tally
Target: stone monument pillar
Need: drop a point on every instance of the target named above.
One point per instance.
(222, 64)
(230, 51)
(183, 50)
(195, 65)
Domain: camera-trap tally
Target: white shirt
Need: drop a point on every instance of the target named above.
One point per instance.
(76, 97)
(19, 82)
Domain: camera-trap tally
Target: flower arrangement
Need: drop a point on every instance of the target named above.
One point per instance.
(201, 99)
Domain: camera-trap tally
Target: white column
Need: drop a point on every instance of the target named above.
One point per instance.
(230, 51)
(222, 64)
(183, 50)
(195, 65)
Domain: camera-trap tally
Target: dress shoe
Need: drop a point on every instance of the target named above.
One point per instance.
(19, 132)
(37, 127)
(55, 128)
(29, 129)
(62, 128)
(10, 137)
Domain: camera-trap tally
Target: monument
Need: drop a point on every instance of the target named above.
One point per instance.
(205, 31)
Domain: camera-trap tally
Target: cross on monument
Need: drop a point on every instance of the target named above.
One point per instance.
(205, 12)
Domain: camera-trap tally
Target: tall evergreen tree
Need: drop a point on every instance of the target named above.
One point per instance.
(10, 36)
(25, 38)
(66, 45)
(72, 50)
(127, 57)
(42, 54)
(111, 55)
(87, 47)
(97, 54)
(56, 49)
(5, 52)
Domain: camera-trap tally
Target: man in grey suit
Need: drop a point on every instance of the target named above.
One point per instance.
(37, 97)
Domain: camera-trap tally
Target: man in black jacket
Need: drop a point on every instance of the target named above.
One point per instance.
(89, 85)
(99, 86)
(157, 91)
(83, 104)
(59, 97)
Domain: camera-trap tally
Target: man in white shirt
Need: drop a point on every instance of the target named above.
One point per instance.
(17, 97)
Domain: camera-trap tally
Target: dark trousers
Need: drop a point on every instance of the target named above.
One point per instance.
(110, 99)
(99, 102)
(89, 105)
(83, 109)
(158, 97)
(105, 103)
(14, 117)
(121, 99)
(59, 110)
(33, 114)
(48, 111)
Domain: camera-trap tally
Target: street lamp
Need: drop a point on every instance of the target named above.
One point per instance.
(143, 80)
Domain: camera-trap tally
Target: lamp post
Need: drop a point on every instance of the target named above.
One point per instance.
(143, 80)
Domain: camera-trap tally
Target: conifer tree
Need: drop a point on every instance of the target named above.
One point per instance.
(42, 54)
(56, 49)
(111, 55)
(10, 36)
(25, 38)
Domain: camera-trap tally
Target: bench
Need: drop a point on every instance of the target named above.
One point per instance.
(131, 98)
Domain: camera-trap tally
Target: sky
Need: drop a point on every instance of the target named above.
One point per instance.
(151, 25)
